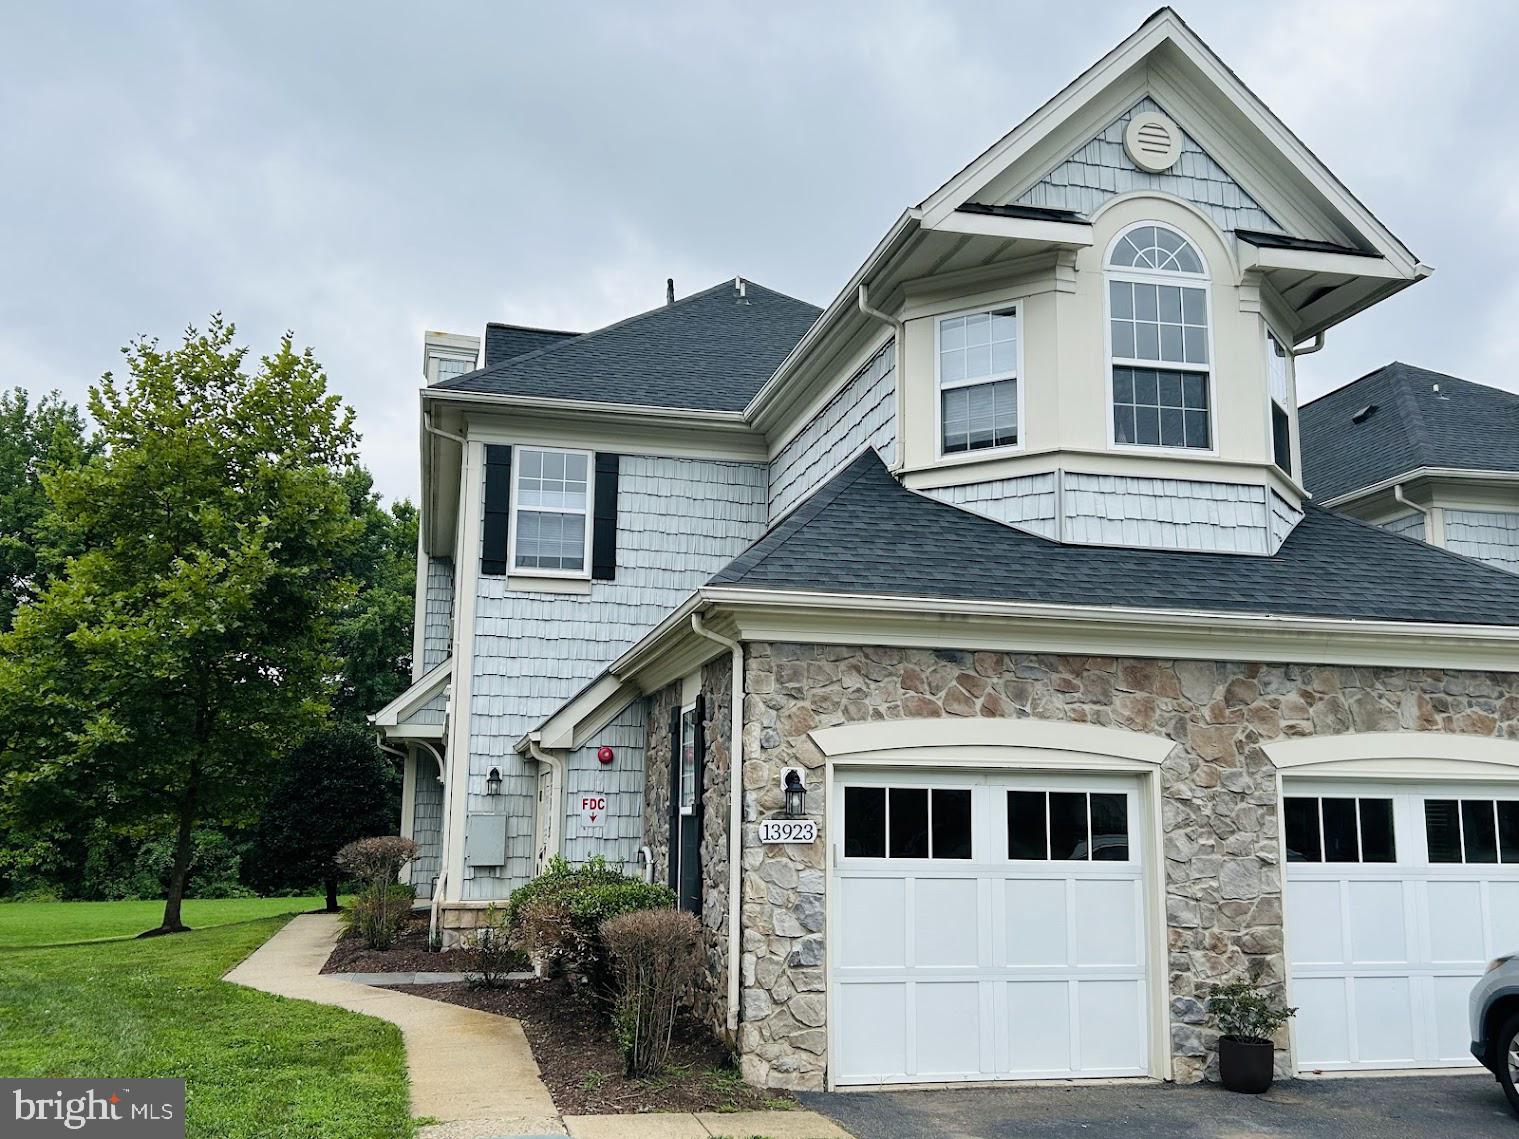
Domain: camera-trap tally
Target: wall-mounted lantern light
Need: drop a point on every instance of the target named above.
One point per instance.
(796, 793)
(493, 782)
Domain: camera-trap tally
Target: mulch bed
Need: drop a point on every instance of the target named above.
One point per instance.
(409, 955)
(583, 1067)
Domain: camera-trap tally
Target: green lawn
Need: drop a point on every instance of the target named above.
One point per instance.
(257, 1066)
(60, 923)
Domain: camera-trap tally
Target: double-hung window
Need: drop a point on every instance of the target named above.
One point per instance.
(1158, 338)
(978, 380)
(551, 501)
(1279, 380)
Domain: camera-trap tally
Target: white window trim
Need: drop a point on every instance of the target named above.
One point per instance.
(979, 453)
(1290, 407)
(686, 809)
(584, 573)
(1159, 277)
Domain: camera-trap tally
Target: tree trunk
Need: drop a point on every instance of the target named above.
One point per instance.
(183, 847)
(332, 894)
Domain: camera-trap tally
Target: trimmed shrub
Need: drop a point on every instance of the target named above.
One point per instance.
(655, 957)
(379, 911)
(558, 916)
(1247, 1013)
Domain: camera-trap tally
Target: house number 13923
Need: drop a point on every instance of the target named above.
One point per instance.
(788, 830)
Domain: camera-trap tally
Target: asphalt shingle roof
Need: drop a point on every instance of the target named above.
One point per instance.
(864, 533)
(711, 351)
(508, 341)
(1465, 426)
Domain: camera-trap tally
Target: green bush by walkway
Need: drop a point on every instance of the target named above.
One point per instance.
(258, 1067)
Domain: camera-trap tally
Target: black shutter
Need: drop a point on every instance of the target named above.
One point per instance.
(604, 525)
(674, 837)
(498, 509)
(693, 891)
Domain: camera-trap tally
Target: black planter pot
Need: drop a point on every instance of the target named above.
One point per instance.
(1245, 1065)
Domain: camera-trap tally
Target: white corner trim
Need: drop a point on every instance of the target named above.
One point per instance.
(1397, 755)
(893, 738)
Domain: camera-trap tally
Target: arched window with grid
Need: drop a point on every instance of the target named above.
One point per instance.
(1159, 343)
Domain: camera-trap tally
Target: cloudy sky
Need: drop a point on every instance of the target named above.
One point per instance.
(361, 172)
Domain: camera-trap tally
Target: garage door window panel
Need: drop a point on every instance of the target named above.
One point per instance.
(1333, 829)
(908, 822)
(1067, 826)
(1472, 831)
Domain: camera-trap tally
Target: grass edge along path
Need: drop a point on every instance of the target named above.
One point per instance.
(256, 1066)
(47, 925)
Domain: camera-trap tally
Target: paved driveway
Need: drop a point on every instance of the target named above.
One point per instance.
(1465, 1106)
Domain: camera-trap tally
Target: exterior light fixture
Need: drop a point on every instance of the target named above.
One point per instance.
(796, 794)
(493, 782)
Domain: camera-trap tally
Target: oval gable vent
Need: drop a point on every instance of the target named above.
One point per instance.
(1152, 142)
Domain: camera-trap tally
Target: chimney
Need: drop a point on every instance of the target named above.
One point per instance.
(448, 354)
(669, 290)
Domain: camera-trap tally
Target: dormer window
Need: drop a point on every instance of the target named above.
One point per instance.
(1279, 380)
(978, 380)
(1159, 341)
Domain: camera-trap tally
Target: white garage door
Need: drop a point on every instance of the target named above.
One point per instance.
(987, 927)
(1397, 896)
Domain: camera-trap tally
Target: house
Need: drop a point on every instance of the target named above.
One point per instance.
(969, 655)
(1423, 454)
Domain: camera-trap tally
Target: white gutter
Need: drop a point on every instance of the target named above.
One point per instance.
(735, 807)
(899, 334)
(1318, 343)
(1455, 474)
(555, 764)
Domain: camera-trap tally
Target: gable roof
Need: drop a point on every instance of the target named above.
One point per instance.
(1463, 426)
(865, 534)
(1164, 56)
(710, 351)
(508, 341)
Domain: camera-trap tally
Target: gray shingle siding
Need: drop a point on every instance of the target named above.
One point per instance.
(426, 825)
(1166, 514)
(1410, 525)
(437, 614)
(1100, 170)
(679, 520)
(1027, 502)
(620, 835)
(863, 413)
(1490, 536)
(1284, 517)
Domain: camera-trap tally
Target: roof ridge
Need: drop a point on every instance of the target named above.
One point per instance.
(581, 338)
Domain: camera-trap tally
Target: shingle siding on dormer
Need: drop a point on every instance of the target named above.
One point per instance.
(1490, 536)
(1100, 170)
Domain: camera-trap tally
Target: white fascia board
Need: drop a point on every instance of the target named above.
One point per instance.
(1311, 261)
(1066, 234)
(931, 622)
(1454, 474)
(628, 413)
(679, 438)
(991, 162)
(423, 689)
(587, 713)
(902, 230)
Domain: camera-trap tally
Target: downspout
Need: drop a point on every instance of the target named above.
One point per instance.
(1434, 525)
(555, 765)
(441, 884)
(899, 333)
(1318, 343)
(735, 803)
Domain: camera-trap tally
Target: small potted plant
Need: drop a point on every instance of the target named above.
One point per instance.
(1247, 1019)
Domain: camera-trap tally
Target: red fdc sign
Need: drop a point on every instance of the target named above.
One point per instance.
(593, 809)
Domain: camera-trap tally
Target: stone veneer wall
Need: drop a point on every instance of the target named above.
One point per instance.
(711, 998)
(1222, 859)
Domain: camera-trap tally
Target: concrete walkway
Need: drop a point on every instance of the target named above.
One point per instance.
(473, 1071)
